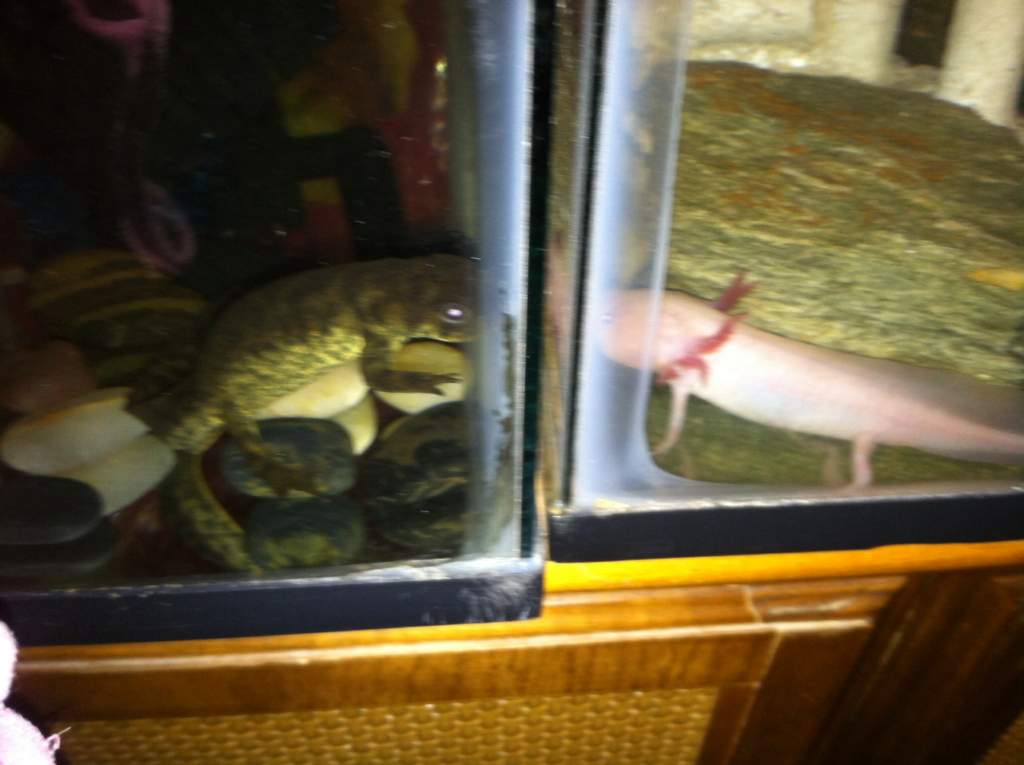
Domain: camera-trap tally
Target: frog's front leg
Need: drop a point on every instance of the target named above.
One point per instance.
(380, 374)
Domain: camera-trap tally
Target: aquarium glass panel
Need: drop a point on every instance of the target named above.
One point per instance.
(262, 283)
(575, 44)
(803, 282)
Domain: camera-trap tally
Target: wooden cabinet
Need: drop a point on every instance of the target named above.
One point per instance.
(942, 677)
(879, 665)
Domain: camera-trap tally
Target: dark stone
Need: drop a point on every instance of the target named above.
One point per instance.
(434, 527)
(80, 557)
(45, 510)
(422, 456)
(292, 533)
(415, 482)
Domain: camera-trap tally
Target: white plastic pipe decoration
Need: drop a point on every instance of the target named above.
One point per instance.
(984, 58)
(860, 37)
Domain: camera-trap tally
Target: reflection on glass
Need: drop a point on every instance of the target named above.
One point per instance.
(240, 309)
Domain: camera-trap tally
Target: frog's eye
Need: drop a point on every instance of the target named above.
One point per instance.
(454, 314)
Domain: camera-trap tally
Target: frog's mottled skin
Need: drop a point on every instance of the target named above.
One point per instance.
(285, 335)
(191, 509)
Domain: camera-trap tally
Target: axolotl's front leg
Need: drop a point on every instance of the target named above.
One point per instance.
(689, 362)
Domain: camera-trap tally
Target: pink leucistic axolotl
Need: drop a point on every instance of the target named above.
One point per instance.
(702, 350)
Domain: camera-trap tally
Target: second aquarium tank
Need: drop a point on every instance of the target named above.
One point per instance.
(797, 289)
(262, 316)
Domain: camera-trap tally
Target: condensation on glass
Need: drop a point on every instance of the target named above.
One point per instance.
(262, 274)
(803, 283)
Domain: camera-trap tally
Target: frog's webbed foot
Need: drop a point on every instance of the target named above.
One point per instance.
(394, 380)
(285, 476)
(281, 467)
(285, 469)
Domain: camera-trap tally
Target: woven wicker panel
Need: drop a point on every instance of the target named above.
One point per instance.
(647, 727)
(1009, 750)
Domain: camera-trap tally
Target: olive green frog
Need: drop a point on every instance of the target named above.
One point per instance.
(285, 335)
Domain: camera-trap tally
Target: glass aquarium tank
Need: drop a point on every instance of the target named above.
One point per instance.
(262, 316)
(786, 278)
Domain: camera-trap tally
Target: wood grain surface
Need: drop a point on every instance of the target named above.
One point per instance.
(942, 676)
(584, 642)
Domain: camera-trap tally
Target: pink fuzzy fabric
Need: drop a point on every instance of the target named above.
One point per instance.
(21, 743)
(8, 655)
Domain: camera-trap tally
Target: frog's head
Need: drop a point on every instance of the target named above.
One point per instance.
(430, 298)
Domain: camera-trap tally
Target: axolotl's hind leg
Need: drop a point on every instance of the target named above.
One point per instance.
(860, 461)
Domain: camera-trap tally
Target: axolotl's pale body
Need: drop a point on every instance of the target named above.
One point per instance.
(769, 379)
